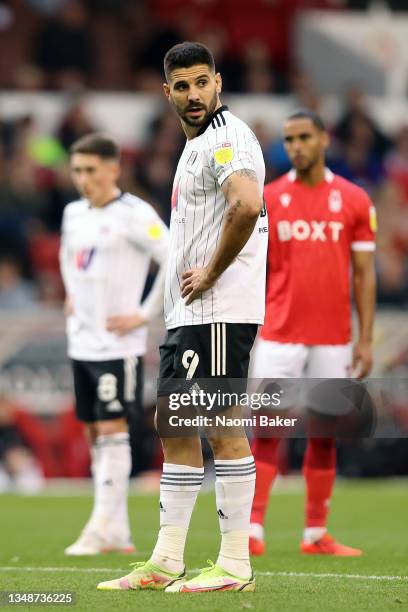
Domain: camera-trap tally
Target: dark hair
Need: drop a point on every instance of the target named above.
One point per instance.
(305, 113)
(96, 144)
(187, 54)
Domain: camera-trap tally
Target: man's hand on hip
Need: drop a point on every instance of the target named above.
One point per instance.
(195, 282)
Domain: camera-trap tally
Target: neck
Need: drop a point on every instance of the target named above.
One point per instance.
(107, 197)
(313, 176)
(191, 131)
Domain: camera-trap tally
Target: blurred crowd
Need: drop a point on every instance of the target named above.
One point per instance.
(35, 186)
(119, 44)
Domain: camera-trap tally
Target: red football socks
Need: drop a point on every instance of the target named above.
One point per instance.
(319, 470)
(265, 455)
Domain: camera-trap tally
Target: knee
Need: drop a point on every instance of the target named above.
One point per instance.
(91, 430)
(181, 445)
(228, 448)
(108, 428)
(321, 453)
(183, 451)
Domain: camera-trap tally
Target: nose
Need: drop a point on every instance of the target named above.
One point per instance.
(193, 94)
(82, 180)
(297, 145)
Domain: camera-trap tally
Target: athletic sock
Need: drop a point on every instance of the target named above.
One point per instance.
(265, 455)
(179, 487)
(234, 491)
(111, 466)
(320, 473)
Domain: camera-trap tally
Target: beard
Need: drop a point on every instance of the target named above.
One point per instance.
(307, 165)
(198, 121)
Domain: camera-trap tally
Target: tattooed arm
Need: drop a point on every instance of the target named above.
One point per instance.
(244, 203)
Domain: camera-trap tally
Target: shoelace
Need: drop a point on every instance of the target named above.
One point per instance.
(137, 564)
(210, 567)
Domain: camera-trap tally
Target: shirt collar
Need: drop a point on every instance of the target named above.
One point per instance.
(220, 110)
(328, 175)
(118, 197)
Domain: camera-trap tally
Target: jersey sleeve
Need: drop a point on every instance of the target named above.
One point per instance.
(66, 258)
(147, 232)
(230, 149)
(365, 224)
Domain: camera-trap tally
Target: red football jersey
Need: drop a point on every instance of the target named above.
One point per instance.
(312, 231)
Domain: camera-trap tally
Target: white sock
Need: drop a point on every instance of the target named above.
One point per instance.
(179, 487)
(111, 467)
(95, 456)
(256, 531)
(312, 534)
(234, 492)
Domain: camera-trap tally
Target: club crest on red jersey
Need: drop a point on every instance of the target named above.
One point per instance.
(335, 201)
(285, 199)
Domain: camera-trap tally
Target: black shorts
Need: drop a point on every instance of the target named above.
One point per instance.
(10, 438)
(106, 390)
(214, 350)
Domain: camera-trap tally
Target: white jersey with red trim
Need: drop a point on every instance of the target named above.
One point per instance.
(225, 145)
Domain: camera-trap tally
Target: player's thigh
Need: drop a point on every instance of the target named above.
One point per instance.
(330, 361)
(278, 359)
(84, 389)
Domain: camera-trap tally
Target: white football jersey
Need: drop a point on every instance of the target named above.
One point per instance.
(222, 147)
(105, 257)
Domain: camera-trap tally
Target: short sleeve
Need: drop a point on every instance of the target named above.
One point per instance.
(148, 232)
(230, 150)
(365, 224)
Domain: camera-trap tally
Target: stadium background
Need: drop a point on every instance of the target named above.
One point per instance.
(69, 67)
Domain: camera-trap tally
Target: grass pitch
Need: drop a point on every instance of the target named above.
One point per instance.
(373, 516)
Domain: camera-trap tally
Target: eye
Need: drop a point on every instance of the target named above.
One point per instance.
(180, 86)
(202, 82)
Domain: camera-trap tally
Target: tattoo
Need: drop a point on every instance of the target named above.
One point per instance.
(232, 210)
(250, 174)
(227, 184)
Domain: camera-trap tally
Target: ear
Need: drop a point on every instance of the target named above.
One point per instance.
(218, 83)
(116, 170)
(326, 140)
(166, 89)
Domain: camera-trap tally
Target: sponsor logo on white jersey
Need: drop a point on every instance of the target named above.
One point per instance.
(315, 231)
(84, 257)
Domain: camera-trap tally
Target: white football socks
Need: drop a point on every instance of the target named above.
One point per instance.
(111, 467)
(179, 487)
(312, 534)
(234, 491)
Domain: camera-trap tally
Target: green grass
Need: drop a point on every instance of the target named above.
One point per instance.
(373, 516)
